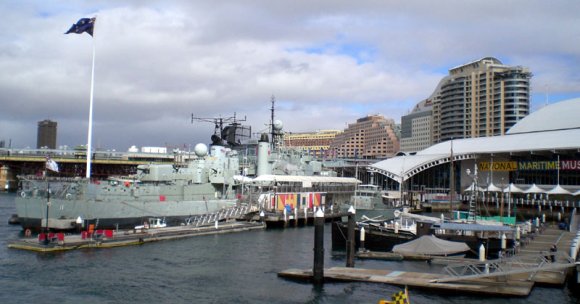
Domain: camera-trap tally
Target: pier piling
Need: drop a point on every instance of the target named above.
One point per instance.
(362, 239)
(318, 268)
(350, 242)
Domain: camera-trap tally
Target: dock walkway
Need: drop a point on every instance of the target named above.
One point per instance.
(416, 280)
(132, 237)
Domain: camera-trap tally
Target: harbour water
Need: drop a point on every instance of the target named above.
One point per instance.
(226, 268)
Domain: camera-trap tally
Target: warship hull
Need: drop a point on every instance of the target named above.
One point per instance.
(63, 213)
(64, 204)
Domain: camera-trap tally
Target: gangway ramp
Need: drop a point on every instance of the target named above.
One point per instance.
(521, 264)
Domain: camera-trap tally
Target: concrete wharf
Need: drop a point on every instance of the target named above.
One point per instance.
(281, 219)
(131, 237)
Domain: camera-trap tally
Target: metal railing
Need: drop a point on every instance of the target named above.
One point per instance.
(531, 264)
(224, 214)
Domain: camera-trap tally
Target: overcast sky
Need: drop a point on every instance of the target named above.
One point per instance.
(326, 62)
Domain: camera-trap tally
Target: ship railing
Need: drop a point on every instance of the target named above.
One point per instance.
(60, 187)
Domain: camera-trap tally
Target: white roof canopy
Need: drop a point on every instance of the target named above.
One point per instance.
(554, 127)
(265, 179)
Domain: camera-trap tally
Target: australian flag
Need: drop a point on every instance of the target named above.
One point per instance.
(51, 164)
(83, 25)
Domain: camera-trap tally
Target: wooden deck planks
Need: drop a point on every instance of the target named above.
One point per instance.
(417, 280)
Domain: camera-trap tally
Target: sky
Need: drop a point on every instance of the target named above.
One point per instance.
(326, 62)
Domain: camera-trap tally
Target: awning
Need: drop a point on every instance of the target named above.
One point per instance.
(301, 179)
(471, 227)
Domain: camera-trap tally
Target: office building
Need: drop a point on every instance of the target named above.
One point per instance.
(315, 143)
(46, 136)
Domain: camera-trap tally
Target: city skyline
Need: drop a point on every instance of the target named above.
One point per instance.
(327, 63)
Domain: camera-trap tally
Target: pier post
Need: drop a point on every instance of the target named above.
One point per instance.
(296, 216)
(350, 242)
(318, 268)
(503, 241)
(482, 253)
(362, 239)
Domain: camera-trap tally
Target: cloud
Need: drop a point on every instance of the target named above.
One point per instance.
(326, 62)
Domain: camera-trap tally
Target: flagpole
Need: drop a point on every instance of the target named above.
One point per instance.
(46, 240)
(90, 131)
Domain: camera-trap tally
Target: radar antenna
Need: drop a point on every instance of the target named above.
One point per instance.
(227, 133)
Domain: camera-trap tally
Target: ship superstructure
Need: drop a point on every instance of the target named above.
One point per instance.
(205, 184)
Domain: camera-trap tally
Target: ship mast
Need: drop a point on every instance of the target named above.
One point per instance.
(275, 128)
(272, 132)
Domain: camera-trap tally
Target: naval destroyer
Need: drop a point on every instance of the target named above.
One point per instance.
(203, 185)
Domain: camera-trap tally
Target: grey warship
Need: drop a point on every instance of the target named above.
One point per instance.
(204, 184)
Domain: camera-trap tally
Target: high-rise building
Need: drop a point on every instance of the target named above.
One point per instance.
(482, 98)
(417, 127)
(477, 99)
(46, 136)
(316, 143)
(373, 136)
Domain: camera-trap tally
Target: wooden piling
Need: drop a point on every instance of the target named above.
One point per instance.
(318, 267)
(350, 242)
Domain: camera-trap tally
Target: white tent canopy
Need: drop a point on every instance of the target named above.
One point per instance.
(472, 186)
(535, 189)
(558, 190)
(511, 188)
(430, 245)
(493, 188)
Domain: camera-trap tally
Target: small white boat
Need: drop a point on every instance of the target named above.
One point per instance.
(153, 223)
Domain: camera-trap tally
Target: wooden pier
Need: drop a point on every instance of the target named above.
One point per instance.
(130, 237)
(416, 280)
(514, 275)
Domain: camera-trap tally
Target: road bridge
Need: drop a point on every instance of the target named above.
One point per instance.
(14, 162)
